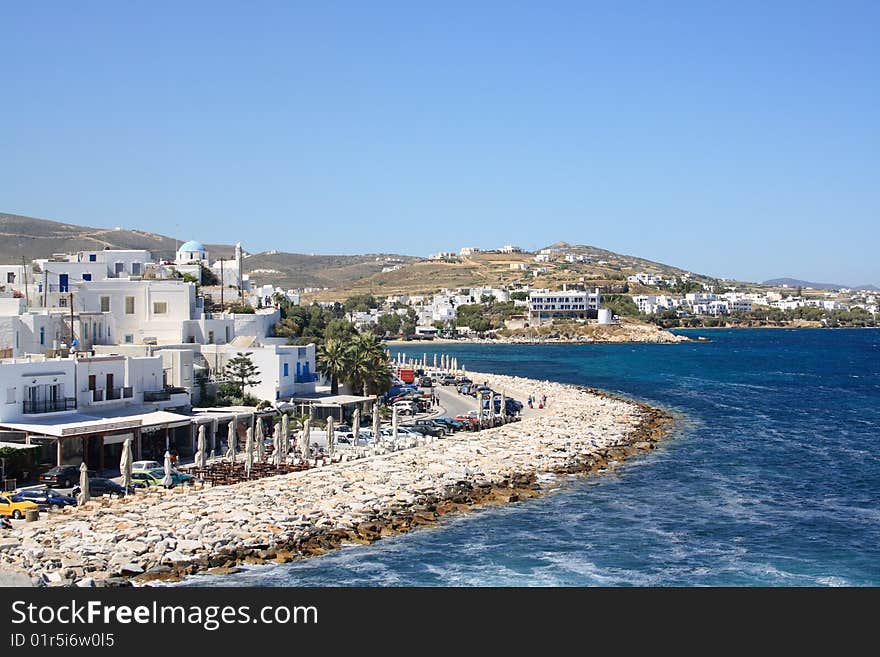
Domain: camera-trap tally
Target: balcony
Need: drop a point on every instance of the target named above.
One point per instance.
(111, 394)
(305, 378)
(32, 407)
(157, 395)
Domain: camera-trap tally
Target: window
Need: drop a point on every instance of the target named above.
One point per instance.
(10, 277)
(93, 257)
(119, 267)
(160, 307)
(210, 337)
(129, 305)
(87, 277)
(135, 269)
(286, 369)
(105, 304)
(42, 335)
(10, 395)
(129, 339)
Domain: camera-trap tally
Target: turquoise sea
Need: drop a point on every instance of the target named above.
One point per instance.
(771, 477)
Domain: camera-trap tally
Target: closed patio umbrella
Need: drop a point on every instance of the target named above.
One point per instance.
(84, 492)
(276, 444)
(376, 423)
(249, 451)
(259, 439)
(285, 433)
(125, 464)
(231, 438)
(355, 426)
(201, 452)
(394, 421)
(167, 481)
(331, 437)
(304, 447)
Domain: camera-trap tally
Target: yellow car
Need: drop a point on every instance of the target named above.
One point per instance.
(12, 505)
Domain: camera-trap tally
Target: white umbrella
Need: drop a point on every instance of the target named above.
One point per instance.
(503, 407)
(214, 424)
(231, 438)
(201, 454)
(435, 361)
(394, 421)
(84, 492)
(260, 438)
(331, 437)
(167, 481)
(249, 450)
(304, 448)
(492, 406)
(285, 432)
(355, 427)
(376, 423)
(276, 444)
(125, 464)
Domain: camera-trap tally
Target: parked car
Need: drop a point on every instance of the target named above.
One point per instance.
(469, 422)
(100, 486)
(406, 407)
(426, 382)
(429, 428)
(446, 380)
(156, 476)
(15, 507)
(451, 424)
(63, 476)
(47, 498)
(146, 465)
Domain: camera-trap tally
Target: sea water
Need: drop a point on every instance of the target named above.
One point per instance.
(771, 476)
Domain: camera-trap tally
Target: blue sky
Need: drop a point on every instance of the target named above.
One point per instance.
(730, 138)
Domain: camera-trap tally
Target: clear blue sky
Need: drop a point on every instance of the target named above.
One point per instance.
(731, 138)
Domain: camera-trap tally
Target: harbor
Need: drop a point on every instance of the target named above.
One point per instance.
(169, 534)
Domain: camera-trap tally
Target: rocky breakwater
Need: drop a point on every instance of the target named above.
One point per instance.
(169, 534)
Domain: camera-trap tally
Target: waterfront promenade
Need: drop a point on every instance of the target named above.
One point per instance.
(170, 534)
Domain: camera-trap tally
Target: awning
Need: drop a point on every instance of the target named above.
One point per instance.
(78, 424)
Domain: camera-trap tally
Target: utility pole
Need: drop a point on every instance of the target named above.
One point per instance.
(75, 385)
(27, 297)
(221, 283)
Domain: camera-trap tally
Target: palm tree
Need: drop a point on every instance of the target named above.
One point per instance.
(333, 360)
(368, 365)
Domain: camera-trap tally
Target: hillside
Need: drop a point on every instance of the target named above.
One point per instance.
(30, 238)
(794, 282)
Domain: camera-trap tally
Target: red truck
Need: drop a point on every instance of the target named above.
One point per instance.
(406, 375)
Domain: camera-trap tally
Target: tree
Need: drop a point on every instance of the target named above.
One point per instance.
(390, 323)
(332, 362)
(519, 296)
(242, 371)
(340, 329)
(409, 323)
(367, 365)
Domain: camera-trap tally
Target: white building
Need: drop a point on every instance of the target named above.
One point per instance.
(468, 250)
(573, 304)
(542, 257)
(519, 265)
(191, 252)
(83, 408)
(443, 255)
(510, 248)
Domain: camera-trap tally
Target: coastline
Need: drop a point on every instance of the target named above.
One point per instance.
(172, 534)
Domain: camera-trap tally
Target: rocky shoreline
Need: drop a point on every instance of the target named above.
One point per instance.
(167, 535)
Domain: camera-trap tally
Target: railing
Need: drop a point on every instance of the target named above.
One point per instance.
(305, 378)
(48, 405)
(157, 395)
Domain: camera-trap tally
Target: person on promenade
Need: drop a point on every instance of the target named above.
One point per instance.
(4, 523)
